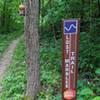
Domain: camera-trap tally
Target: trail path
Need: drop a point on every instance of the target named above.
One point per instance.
(6, 59)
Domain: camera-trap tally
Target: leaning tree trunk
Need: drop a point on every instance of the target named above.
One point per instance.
(32, 45)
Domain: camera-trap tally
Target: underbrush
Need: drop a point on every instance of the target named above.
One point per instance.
(5, 40)
(50, 60)
(14, 82)
(50, 71)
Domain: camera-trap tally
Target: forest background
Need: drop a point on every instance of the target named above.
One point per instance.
(51, 14)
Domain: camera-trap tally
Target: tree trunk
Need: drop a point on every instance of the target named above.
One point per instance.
(32, 45)
(99, 8)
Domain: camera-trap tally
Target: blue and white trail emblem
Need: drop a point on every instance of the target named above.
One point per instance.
(70, 27)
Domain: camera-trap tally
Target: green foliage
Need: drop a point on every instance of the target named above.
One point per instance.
(5, 40)
(15, 80)
(97, 98)
(85, 94)
(97, 71)
(50, 62)
(86, 91)
(50, 70)
(9, 17)
(51, 14)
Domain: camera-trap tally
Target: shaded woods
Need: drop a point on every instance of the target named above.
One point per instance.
(50, 19)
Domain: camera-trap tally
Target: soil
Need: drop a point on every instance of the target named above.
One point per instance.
(6, 59)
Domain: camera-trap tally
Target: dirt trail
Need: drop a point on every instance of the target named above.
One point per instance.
(6, 59)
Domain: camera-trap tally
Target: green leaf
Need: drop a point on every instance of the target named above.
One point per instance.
(86, 91)
(97, 98)
(97, 71)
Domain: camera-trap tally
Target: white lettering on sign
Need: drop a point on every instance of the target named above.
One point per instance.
(67, 42)
(72, 64)
(66, 72)
(69, 63)
(66, 60)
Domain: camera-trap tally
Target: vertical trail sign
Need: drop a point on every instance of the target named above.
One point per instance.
(70, 59)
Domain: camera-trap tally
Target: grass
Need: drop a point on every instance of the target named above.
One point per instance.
(5, 40)
(50, 71)
(15, 79)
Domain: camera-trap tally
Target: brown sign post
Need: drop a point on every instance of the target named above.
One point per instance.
(70, 58)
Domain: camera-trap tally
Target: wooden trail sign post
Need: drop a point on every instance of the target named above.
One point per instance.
(70, 59)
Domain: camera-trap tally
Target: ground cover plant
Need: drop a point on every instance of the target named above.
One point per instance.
(50, 72)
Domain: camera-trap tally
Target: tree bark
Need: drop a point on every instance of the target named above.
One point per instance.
(98, 8)
(32, 45)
